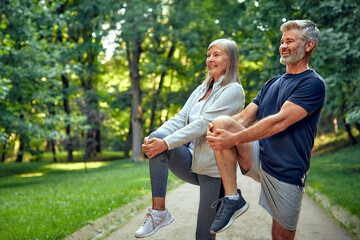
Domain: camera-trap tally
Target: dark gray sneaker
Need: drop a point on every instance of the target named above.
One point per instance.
(228, 211)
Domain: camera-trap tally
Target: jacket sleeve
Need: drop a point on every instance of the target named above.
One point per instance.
(179, 120)
(229, 100)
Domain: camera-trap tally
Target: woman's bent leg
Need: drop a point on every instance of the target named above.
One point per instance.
(178, 160)
(158, 216)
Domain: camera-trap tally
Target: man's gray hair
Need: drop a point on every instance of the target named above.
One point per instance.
(309, 31)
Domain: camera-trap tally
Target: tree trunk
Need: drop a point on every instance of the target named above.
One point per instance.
(348, 129)
(91, 111)
(156, 96)
(69, 144)
(90, 144)
(52, 141)
(136, 119)
(52, 144)
(3, 152)
(128, 142)
(20, 153)
(98, 140)
(136, 109)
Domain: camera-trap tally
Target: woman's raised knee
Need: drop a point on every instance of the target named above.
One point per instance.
(157, 134)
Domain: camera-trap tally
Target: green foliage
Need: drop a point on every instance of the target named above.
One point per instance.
(44, 42)
(338, 56)
(40, 199)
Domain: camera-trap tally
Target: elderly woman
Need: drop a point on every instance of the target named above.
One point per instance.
(180, 144)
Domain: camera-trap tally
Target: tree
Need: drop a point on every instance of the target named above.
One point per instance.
(338, 58)
(22, 49)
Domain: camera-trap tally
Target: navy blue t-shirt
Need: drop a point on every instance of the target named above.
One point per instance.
(286, 155)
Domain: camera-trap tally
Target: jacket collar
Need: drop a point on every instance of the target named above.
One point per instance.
(217, 85)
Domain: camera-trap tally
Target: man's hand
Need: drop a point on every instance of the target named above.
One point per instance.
(153, 147)
(219, 139)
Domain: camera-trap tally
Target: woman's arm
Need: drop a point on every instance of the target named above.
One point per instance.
(230, 100)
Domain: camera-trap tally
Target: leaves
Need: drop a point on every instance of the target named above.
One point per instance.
(44, 41)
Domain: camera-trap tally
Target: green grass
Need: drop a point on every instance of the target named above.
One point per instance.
(337, 175)
(52, 200)
(78, 156)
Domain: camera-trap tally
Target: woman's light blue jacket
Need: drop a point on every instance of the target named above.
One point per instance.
(223, 100)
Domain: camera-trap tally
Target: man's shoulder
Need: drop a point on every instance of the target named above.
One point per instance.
(271, 81)
(311, 73)
(314, 79)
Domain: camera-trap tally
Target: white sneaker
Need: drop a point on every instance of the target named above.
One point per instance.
(152, 223)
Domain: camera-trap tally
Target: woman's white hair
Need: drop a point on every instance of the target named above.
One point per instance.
(232, 68)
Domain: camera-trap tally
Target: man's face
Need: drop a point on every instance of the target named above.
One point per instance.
(292, 47)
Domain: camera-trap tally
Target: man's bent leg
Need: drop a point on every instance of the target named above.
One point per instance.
(227, 159)
(233, 205)
(280, 233)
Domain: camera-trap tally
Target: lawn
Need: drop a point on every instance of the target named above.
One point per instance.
(337, 176)
(78, 156)
(52, 200)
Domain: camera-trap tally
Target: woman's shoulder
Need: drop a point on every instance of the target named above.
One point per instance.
(233, 87)
(230, 91)
(234, 84)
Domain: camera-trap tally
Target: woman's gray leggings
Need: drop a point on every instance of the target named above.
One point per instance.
(179, 161)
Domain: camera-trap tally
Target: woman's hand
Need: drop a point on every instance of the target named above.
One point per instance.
(153, 147)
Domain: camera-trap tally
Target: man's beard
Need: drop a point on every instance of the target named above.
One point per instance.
(294, 57)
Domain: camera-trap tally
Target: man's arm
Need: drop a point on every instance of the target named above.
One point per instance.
(248, 116)
(273, 124)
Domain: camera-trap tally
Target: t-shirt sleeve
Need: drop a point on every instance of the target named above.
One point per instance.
(310, 94)
(256, 100)
(258, 97)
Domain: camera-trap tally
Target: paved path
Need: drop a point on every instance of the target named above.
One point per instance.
(255, 224)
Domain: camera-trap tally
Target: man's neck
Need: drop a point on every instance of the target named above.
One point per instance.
(298, 67)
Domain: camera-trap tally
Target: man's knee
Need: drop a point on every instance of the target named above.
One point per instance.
(222, 122)
(227, 123)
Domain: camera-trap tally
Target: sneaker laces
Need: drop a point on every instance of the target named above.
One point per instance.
(221, 201)
(149, 217)
(217, 202)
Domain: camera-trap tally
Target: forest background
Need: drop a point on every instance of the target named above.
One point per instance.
(99, 75)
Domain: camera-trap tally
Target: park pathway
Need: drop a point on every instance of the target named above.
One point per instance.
(255, 224)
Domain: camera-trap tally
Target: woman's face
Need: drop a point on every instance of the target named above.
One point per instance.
(217, 61)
